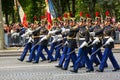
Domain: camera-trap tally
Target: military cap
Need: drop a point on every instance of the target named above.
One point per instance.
(88, 18)
(107, 18)
(97, 18)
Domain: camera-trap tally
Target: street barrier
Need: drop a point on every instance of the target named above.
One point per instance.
(15, 40)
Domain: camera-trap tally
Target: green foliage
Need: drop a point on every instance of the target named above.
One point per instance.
(37, 7)
(33, 8)
(7, 6)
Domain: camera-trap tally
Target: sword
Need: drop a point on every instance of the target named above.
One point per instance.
(96, 51)
(72, 51)
(35, 44)
(107, 42)
(42, 39)
(58, 45)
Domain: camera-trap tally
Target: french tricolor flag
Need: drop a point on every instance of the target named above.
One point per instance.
(50, 14)
(22, 15)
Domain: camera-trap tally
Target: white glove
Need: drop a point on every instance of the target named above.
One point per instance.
(67, 30)
(30, 40)
(63, 30)
(44, 38)
(84, 44)
(23, 35)
(52, 32)
(97, 40)
(60, 37)
(55, 38)
(28, 32)
(92, 34)
(66, 42)
(109, 41)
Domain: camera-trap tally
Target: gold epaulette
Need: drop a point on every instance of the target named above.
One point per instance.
(100, 37)
(70, 37)
(48, 36)
(75, 27)
(35, 36)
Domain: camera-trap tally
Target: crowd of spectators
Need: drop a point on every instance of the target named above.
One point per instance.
(11, 29)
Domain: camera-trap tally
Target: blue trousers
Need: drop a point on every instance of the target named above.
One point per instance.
(68, 57)
(40, 54)
(94, 59)
(83, 53)
(57, 54)
(108, 54)
(26, 48)
(32, 53)
(57, 50)
(52, 47)
(63, 56)
(89, 49)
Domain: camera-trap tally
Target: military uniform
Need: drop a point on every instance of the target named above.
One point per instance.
(43, 45)
(34, 48)
(108, 32)
(97, 46)
(82, 52)
(54, 43)
(71, 38)
(28, 45)
(65, 48)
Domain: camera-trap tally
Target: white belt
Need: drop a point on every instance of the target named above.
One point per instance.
(81, 38)
(27, 37)
(96, 37)
(42, 35)
(107, 36)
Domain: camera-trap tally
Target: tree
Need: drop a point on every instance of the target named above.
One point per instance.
(1, 29)
(7, 7)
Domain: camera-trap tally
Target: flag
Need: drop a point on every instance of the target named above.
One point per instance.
(22, 15)
(50, 14)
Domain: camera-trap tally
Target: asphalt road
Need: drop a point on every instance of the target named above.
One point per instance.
(12, 69)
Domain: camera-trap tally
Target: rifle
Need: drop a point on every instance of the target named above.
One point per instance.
(94, 42)
(58, 45)
(30, 40)
(107, 42)
(42, 39)
(82, 45)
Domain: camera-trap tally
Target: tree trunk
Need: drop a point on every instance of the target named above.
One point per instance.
(6, 18)
(68, 1)
(1, 29)
(63, 6)
(73, 8)
(60, 9)
(13, 18)
(92, 8)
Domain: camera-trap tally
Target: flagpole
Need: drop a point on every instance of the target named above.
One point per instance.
(17, 11)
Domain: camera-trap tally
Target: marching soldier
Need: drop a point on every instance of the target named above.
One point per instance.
(65, 44)
(71, 38)
(36, 38)
(82, 52)
(28, 44)
(96, 45)
(55, 42)
(108, 43)
(42, 44)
